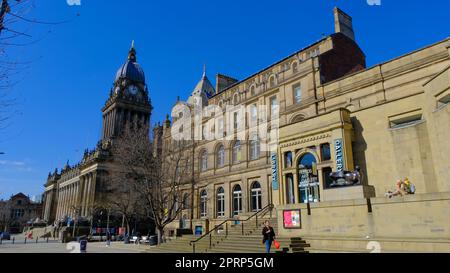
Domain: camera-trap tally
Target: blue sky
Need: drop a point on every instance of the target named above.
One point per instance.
(71, 68)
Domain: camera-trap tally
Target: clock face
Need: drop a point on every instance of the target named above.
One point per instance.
(133, 90)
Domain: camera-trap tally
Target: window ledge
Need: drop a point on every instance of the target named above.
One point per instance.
(441, 107)
(407, 125)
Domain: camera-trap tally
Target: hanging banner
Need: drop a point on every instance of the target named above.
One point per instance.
(274, 160)
(339, 155)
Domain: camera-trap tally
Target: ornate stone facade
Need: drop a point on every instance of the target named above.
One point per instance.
(77, 191)
(334, 114)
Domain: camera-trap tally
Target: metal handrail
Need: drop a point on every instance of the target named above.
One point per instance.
(192, 243)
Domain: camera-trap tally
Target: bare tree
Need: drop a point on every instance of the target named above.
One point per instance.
(15, 31)
(160, 180)
(121, 196)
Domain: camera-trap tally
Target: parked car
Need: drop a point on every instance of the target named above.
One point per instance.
(5, 236)
(97, 237)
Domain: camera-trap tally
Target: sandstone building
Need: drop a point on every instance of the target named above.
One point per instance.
(335, 113)
(17, 212)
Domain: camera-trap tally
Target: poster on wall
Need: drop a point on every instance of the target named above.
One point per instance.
(291, 219)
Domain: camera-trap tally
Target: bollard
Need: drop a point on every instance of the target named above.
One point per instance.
(47, 240)
(37, 238)
(25, 240)
(14, 240)
(1, 240)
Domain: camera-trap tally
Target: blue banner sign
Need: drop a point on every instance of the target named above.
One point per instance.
(274, 160)
(339, 155)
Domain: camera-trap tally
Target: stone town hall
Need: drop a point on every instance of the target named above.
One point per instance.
(75, 190)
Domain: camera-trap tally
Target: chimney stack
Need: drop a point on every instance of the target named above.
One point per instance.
(343, 23)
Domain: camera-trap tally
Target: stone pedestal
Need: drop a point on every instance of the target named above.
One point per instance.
(348, 193)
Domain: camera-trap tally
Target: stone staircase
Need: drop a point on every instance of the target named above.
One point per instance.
(331, 244)
(39, 232)
(235, 242)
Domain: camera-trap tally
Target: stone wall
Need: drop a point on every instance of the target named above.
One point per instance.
(423, 216)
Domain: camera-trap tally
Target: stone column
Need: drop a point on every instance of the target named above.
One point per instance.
(80, 198)
(83, 195)
(63, 202)
(57, 205)
(66, 200)
(72, 199)
(77, 196)
(88, 188)
(93, 188)
(296, 187)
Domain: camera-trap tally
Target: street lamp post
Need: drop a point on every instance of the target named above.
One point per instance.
(108, 235)
(75, 210)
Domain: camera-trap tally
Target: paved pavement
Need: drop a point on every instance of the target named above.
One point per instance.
(57, 247)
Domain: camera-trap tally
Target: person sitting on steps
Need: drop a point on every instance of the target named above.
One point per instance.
(404, 187)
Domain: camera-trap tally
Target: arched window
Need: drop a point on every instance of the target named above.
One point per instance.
(256, 194)
(254, 147)
(236, 154)
(252, 91)
(272, 82)
(237, 200)
(203, 203)
(220, 157)
(220, 202)
(236, 99)
(295, 67)
(204, 161)
(308, 179)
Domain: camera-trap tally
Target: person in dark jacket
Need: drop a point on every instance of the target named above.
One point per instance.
(269, 236)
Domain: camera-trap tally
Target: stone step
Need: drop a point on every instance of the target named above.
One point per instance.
(387, 245)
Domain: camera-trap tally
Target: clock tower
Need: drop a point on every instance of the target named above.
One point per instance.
(129, 101)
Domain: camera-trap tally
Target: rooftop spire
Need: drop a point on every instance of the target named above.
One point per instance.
(204, 70)
(132, 53)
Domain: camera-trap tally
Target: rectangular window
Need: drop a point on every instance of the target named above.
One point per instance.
(253, 115)
(443, 99)
(273, 106)
(406, 119)
(235, 121)
(327, 182)
(325, 151)
(288, 159)
(203, 132)
(219, 127)
(297, 94)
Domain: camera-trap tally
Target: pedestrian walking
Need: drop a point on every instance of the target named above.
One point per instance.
(268, 236)
(108, 239)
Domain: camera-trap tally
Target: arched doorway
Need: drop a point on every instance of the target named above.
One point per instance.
(237, 200)
(256, 194)
(309, 191)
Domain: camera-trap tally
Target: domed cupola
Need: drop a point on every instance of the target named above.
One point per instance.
(131, 71)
